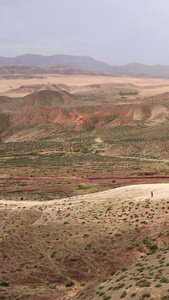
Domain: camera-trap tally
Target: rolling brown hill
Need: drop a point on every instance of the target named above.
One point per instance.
(81, 62)
(76, 241)
(144, 279)
(8, 70)
(47, 98)
(29, 89)
(5, 100)
(69, 64)
(47, 112)
(58, 235)
(58, 69)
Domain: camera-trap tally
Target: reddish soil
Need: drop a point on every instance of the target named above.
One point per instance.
(127, 257)
(85, 180)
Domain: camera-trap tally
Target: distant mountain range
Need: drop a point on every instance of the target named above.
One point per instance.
(78, 62)
(59, 69)
(68, 64)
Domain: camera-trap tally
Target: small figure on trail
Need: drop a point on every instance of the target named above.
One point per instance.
(21, 198)
(151, 193)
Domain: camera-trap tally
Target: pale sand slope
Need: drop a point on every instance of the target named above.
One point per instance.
(147, 86)
(134, 192)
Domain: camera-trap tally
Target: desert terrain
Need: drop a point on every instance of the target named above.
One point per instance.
(84, 153)
(53, 249)
(18, 86)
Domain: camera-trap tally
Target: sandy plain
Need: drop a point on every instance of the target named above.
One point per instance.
(147, 86)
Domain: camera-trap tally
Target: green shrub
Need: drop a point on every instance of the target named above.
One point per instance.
(112, 273)
(82, 187)
(119, 286)
(145, 296)
(143, 283)
(53, 254)
(153, 247)
(70, 283)
(164, 280)
(141, 269)
(128, 93)
(123, 295)
(4, 283)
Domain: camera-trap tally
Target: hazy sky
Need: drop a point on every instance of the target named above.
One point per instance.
(114, 31)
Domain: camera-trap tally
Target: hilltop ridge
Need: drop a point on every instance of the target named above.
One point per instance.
(71, 64)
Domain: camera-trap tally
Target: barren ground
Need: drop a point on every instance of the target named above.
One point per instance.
(85, 162)
(137, 192)
(147, 86)
(81, 238)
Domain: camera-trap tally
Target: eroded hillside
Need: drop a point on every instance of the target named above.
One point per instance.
(81, 239)
(63, 140)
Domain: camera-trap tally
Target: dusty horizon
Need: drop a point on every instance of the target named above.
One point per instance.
(113, 31)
